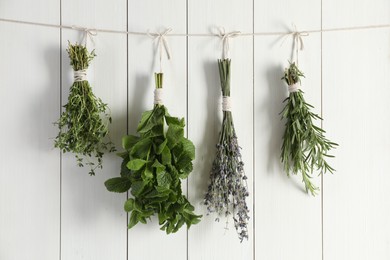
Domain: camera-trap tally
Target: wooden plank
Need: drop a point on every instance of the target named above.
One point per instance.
(29, 104)
(355, 13)
(356, 208)
(156, 16)
(209, 239)
(93, 220)
(288, 221)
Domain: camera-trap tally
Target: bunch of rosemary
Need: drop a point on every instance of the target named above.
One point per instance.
(304, 146)
(228, 190)
(84, 123)
(153, 165)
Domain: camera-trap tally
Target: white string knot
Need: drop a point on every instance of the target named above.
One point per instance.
(80, 75)
(158, 96)
(88, 33)
(161, 42)
(225, 40)
(297, 40)
(293, 88)
(226, 103)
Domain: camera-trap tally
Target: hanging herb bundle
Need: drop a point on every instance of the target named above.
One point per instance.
(153, 164)
(84, 123)
(304, 146)
(228, 190)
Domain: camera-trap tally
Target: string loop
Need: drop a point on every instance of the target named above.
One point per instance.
(161, 43)
(88, 33)
(225, 40)
(297, 40)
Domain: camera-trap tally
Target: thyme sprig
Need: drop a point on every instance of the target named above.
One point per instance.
(84, 123)
(304, 146)
(227, 192)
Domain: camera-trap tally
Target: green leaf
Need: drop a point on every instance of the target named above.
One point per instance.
(134, 219)
(158, 165)
(161, 147)
(142, 148)
(124, 170)
(137, 188)
(144, 120)
(129, 205)
(166, 156)
(164, 179)
(174, 135)
(136, 164)
(119, 184)
(175, 121)
(129, 141)
(147, 173)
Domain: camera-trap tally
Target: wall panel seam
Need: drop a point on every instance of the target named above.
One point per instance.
(253, 135)
(60, 152)
(127, 114)
(322, 176)
(187, 126)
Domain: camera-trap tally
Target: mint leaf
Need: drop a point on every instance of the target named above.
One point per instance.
(174, 135)
(129, 141)
(134, 219)
(129, 205)
(119, 184)
(175, 121)
(136, 164)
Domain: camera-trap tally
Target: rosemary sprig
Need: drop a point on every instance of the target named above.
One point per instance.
(84, 123)
(304, 146)
(228, 190)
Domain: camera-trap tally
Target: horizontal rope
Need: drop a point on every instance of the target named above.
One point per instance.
(78, 28)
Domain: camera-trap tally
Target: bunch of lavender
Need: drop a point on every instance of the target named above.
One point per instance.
(228, 189)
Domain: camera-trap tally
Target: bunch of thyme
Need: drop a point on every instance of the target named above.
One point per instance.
(84, 123)
(304, 145)
(228, 190)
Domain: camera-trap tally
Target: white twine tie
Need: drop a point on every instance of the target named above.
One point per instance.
(225, 41)
(158, 96)
(88, 33)
(80, 75)
(162, 42)
(293, 88)
(297, 41)
(226, 103)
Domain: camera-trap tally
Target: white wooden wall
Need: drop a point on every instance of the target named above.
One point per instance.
(51, 209)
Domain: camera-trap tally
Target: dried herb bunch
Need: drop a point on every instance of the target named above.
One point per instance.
(227, 192)
(153, 165)
(304, 146)
(84, 123)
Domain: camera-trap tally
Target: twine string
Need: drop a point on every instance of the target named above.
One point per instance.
(338, 29)
(225, 40)
(88, 33)
(226, 103)
(161, 43)
(158, 96)
(80, 75)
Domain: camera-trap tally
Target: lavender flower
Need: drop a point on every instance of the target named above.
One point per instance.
(226, 195)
